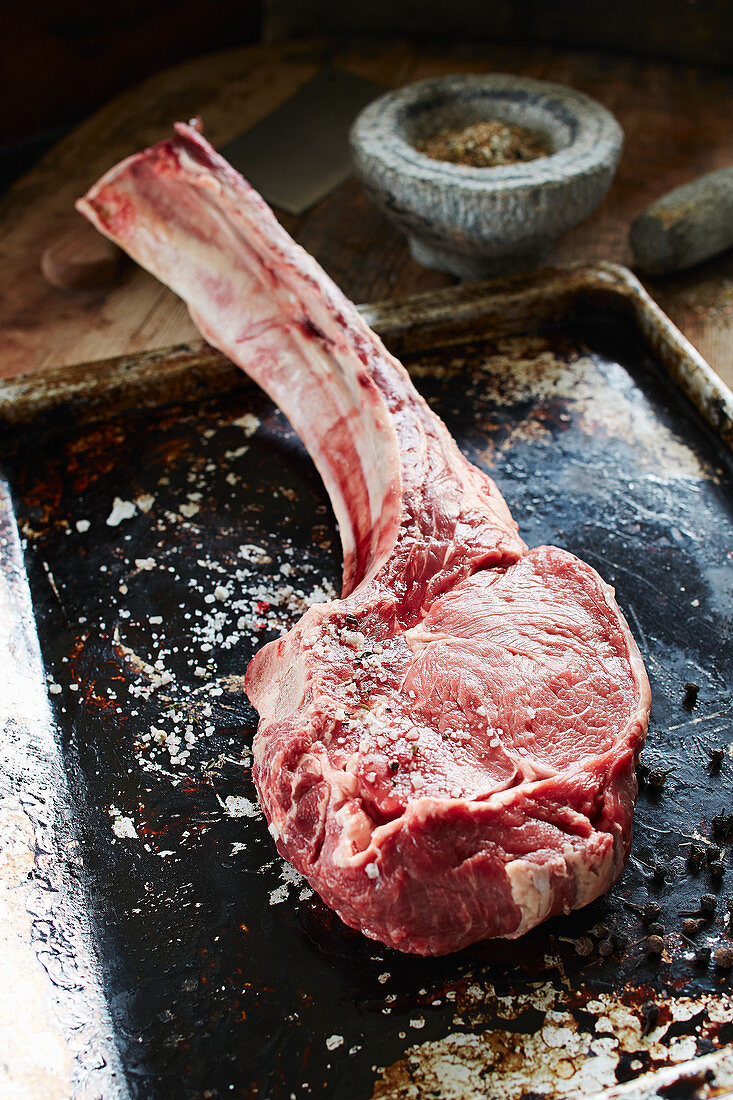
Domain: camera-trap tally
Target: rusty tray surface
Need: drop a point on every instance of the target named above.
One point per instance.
(170, 522)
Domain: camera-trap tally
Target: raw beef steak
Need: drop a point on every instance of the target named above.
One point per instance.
(447, 752)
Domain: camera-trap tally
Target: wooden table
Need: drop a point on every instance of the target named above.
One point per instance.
(677, 125)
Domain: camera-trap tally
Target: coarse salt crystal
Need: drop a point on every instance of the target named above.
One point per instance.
(122, 827)
(372, 871)
(239, 806)
(121, 510)
(249, 423)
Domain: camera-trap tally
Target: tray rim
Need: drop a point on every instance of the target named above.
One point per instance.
(164, 374)
(501, 304)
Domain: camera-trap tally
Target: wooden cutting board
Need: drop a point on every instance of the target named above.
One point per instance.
(676, 121)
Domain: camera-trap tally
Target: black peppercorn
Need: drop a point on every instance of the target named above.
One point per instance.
(605, 947)
(654, 946)
(651, 911)
(716, 760)
(695, 857)
(708, 903)
(691, 693)
(656, 929)
(717, 869)
(659, 873)
(584, 945)
(706, 909)
(724, 957)
(690, 926)
(657, 778)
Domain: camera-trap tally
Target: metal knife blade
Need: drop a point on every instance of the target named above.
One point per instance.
(299, 153)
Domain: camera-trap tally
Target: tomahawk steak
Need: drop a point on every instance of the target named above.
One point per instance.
(446, 752)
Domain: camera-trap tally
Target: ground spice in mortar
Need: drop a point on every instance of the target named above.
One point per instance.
(483, 145)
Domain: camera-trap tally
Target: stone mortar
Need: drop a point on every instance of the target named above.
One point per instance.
(475, 222)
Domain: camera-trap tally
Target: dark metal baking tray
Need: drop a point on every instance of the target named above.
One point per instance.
(170, 523)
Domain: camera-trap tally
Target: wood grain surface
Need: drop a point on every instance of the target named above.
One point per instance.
(677, 125)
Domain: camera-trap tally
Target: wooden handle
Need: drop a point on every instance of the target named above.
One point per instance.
(82, 260)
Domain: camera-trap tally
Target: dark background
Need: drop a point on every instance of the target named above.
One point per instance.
(61, 59)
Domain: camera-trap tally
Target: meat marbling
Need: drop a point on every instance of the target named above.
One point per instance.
(446, 752)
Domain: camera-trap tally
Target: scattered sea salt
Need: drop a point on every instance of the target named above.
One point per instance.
(83, 525)
(121, 510)
(279, 894)
(122, 827)
(249, 423)
(239, 806)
